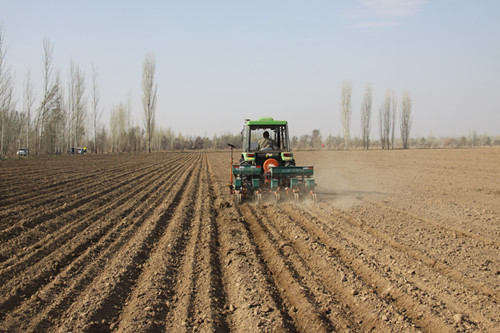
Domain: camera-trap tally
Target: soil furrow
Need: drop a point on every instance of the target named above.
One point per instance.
(386, 291)
(441, 287)
(189, 309)
(58, 295)
(32, 241)
(400, 241)
(433, 262)
(45, 245)
(104, 299)
(48, 270)
(331, 273)
(154, 294)
(52, 207)
(253, 301)
(287, 279)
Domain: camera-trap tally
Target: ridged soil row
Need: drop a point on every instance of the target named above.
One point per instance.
(36, 179)
(33, 245)
(107, 237)
(457, 232)
(445, 240)
(73, 267)
(31, 242)
(154, 293)
(352, 298)
(443, 292)
(104, 299)
(34, 210)
(29, 170)
(199, 302)
(389, 297)
(294, 270)
(253, 302)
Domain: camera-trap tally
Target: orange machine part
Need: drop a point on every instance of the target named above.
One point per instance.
(270, 162)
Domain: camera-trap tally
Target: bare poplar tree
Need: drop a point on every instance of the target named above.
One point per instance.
(345, 111)
(77, 104)
(50, 96)
(28, 101)
(385, 121)
(406, 119)
(394, 107)
(113, 127)
(366, 114)
(6, 94)
(149, 88)
(96, 110)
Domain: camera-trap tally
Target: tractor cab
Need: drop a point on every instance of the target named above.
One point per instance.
(253, 133)
(264, 139)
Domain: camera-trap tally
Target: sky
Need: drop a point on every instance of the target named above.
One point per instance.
(220, 62)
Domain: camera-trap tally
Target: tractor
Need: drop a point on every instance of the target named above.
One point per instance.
(267, 166)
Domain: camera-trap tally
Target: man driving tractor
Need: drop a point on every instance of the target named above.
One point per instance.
(266, 143)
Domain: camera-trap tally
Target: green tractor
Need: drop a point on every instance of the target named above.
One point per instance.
(267, 165)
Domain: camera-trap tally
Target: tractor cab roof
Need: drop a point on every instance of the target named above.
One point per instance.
(265, 122)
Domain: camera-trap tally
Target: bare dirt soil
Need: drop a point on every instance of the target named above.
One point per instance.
(399, 241)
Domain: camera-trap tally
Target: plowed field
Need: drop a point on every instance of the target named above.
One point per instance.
(399, 241)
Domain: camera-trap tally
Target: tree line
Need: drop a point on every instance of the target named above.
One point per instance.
(387, 116)
(69, 114)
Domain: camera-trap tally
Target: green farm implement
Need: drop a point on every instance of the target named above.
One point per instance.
(267, 166)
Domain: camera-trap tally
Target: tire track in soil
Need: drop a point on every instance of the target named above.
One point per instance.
(104, 299)
(100, 230)
(367, 281)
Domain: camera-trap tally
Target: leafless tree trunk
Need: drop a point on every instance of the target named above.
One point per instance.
(77, 104)
(406, 119)
(149, 88)
(51, 97)
(119, 128)
(393, 121)
(385, 121)
(6, 94)
(28, 101)
(345, 111)
(96, 111)
(366, 114)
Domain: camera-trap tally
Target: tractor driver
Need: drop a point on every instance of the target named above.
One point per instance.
(266, 143)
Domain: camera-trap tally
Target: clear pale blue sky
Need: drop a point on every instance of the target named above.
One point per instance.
(219, 62)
